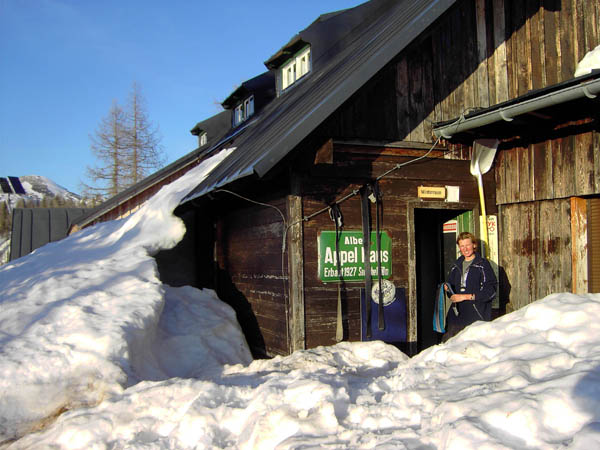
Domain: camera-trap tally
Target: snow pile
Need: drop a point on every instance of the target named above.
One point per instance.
(590, 61)
(527, 380)
(96, 353)
(82, 318)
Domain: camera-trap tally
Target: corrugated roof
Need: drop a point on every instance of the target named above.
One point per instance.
(35, 227)
(389, 27)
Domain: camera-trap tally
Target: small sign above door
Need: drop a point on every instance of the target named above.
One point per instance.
(431, 192)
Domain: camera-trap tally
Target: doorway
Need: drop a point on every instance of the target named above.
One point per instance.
(435, 252)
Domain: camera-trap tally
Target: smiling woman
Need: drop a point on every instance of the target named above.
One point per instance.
(474, 283)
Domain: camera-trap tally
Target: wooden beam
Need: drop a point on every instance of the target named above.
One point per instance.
(295, 307)
(579, 248)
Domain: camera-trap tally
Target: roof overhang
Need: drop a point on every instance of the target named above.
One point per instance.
(563, 101)
(295, 115)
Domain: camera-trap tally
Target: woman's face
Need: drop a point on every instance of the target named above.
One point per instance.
(466, 248)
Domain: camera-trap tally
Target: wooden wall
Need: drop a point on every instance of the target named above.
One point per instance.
(253, 275)
(478, 54)
(354, 165)
(563, 167)
(536, 249)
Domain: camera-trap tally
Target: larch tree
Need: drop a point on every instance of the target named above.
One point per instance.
(108, 145)
(142, 137)
(126, 146)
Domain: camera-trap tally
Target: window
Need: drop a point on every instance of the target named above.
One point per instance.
(243, 111)
(295, 68)
(202, 139)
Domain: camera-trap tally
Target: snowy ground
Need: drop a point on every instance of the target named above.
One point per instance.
(96, 353)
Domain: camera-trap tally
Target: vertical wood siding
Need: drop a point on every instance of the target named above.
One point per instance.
(479, 53)
(536, 242)
(250, 254)
(353, 166)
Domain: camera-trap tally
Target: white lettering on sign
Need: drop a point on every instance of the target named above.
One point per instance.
(351, 256)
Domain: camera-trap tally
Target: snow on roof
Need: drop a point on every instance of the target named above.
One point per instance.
(95, 352)
(590, 61)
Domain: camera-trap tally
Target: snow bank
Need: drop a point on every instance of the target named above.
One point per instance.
(79, 318)
(528, 380)
(96, 353)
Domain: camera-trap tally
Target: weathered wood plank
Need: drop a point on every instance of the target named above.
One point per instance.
(525, 165)
(500, 53)
(522, 56)
(512, 175)
(297, 336)
(596, 146)
(417, 110)
(589, 18)
(499, 172)
(579, 243)
(402, 96)
(551, 42)
(536, 36)
(558, 169)
(567, 37)
(542, 171)
(428, 96)
(584, 163)
(482, 98)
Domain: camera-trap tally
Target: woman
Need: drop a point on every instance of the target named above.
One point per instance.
(473, 284)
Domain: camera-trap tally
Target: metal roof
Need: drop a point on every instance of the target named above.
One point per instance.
(386, 29)
(35, 227)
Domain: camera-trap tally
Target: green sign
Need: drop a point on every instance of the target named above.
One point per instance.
(352, 256)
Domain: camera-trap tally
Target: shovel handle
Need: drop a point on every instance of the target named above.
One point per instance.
(484, 233)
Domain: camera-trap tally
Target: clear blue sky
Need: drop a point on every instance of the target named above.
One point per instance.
(63, 62)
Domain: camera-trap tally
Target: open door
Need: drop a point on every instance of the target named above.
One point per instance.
(435, 245)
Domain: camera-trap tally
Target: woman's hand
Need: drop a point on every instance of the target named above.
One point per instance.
(457, 298)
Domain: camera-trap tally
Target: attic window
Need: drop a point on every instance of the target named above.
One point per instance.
(243, 111)
(202, 139)
(295, 68)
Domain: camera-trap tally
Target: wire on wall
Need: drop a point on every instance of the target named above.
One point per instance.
(328, 208)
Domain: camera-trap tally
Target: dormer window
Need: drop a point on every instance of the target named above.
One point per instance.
(202, 139)
(295, 68)
(243, 111)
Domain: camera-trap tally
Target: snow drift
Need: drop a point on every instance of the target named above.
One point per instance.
(97, 353)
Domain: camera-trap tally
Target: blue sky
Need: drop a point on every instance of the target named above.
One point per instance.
(64, 62)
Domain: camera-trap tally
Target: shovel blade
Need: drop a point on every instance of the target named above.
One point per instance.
(484, 152)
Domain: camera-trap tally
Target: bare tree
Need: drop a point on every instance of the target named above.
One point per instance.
(127, 147)
(108, 145)
(143, 141)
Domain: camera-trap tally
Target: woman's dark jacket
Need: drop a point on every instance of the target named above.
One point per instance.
(482, 282)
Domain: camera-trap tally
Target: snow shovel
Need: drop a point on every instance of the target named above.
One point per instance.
(484, 151)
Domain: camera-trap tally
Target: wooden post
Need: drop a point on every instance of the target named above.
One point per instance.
(579, 249)
(296, 314)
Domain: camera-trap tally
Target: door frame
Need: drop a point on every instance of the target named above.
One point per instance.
(412, 325)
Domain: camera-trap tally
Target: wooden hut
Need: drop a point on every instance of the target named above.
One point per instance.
(365, 99)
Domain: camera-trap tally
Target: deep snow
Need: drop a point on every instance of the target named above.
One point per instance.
(97, 353)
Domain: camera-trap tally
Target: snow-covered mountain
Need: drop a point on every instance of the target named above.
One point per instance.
(37, 188)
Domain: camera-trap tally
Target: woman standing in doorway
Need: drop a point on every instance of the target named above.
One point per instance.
(473, 284)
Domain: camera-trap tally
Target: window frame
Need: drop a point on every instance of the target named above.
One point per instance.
(243, 110)
(296, 67)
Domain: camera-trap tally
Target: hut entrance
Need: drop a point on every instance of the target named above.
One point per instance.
(435, 245)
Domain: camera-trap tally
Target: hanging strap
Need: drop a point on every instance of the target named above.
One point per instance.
(366, 228)
(336, 216)
(378, 217)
